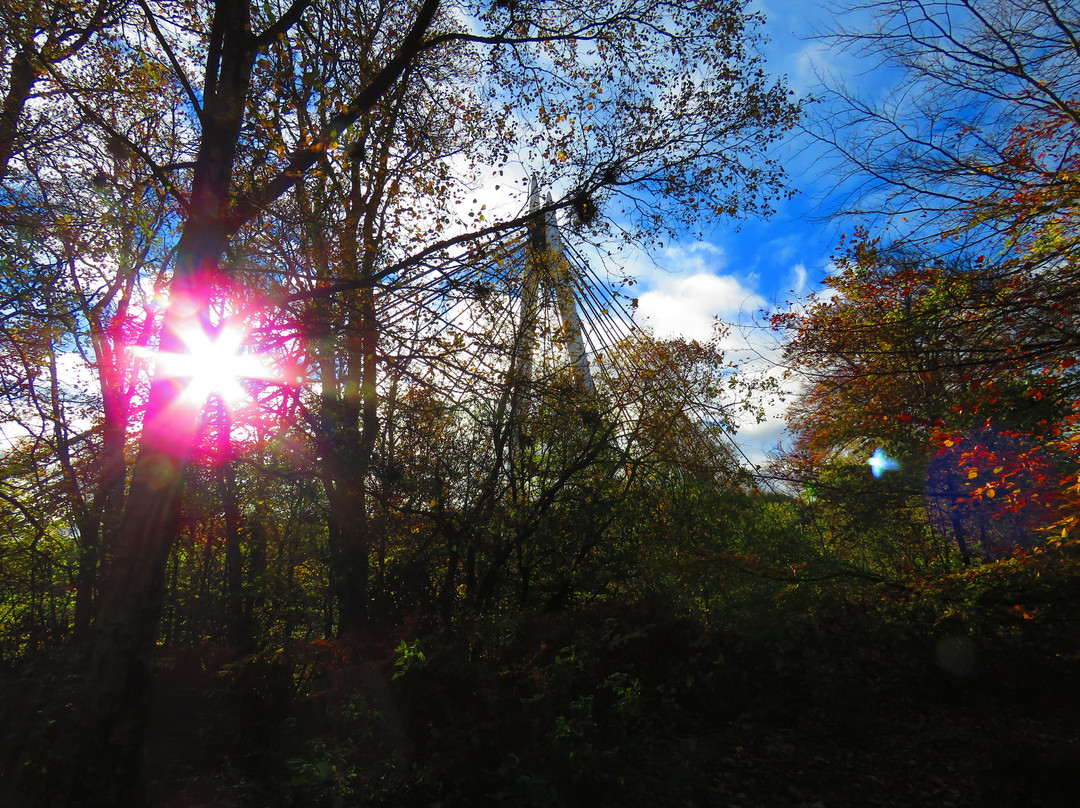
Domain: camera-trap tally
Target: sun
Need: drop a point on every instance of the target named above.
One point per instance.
(213, 365)
(229, 375)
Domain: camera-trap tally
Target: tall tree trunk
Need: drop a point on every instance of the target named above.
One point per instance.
(100, 524)
(125, 632)
(350, 553)
(341, 474)
(253, 605)
(120, 662)
(351, 414)
(21, 77)
(108, 740)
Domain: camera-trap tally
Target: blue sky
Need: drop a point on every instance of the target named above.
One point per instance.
(767, 262)
(739, 270)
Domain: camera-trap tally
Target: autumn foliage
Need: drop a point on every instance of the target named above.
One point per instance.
(954, 347)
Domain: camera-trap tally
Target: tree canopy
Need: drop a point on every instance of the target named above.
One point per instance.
(335, 470)
(257, 293)
(948, 334)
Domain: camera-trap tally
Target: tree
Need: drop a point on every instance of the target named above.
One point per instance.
(971, 162)
(37, 39)
(79, 249)
(348, 216)
(657, 115)
(950, 346)
(896, 360)
(972, 78)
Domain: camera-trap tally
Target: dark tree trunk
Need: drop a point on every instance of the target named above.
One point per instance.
(101, 524)
(352, 575)
(121, 659)
(253, 605)
(350, 417)
(86, 573)
(21, 80)
(106, 735)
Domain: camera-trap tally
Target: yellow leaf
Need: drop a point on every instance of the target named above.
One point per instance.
(972, 474)
(990, 493)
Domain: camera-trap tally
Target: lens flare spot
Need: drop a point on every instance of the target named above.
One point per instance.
(958, 656)
(880, 463)
(164, 474)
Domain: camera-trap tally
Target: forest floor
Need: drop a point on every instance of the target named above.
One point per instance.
(629, 706)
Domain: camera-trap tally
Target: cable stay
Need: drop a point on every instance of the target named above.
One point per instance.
(531, 310)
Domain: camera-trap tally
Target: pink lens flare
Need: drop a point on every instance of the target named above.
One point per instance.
(239, 374)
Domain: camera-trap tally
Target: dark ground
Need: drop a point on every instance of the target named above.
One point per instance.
(628, 706)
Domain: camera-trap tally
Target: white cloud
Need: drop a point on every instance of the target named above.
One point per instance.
(687, 289)
(758, 441)
(798, 279)
(689, 306)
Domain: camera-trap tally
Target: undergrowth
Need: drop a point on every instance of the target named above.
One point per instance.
(851, 695)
